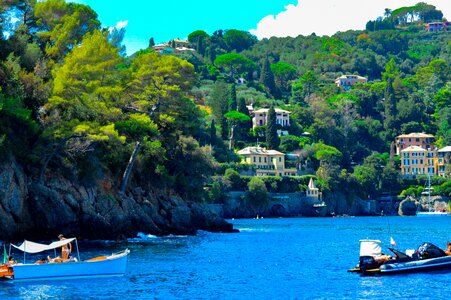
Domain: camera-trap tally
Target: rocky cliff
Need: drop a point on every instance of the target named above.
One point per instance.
(36, 211)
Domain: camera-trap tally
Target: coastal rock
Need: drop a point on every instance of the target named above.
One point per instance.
(407, 207)
(32, 210)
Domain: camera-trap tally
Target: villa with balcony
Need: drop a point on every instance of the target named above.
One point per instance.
(266, 162)
(261, 117)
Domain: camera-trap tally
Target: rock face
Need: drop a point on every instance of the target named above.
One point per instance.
(407, 207)
(36, 211)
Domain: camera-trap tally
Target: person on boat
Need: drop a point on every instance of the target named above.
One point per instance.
(41, 261)
(65, 249)
(11, 260)
(448, 250)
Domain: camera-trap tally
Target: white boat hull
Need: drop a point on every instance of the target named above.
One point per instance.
(114, 265)
(432, 214)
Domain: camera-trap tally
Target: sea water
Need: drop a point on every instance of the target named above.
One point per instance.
(294, 258)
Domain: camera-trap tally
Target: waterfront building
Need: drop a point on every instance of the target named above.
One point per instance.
(312, 191)
(266, 162)
(416, 160)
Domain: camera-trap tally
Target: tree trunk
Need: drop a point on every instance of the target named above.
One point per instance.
(129, 168)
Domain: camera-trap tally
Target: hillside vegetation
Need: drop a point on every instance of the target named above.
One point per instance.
(71, 102)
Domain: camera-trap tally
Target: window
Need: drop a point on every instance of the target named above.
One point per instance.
(280, 159)
(265, 159)
(254, 159)
(406, 155)
(259, 159)
(406, 162)
(421, 161)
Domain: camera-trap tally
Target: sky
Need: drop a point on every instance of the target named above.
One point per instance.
(166, 20)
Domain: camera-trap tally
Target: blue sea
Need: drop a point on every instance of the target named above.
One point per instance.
(293, 258)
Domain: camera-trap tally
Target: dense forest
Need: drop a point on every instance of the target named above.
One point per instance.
(72, 102)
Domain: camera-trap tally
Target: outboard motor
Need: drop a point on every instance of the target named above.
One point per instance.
(367, 263)
(428, 250)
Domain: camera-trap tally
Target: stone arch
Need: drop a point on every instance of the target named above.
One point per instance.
(278, 210)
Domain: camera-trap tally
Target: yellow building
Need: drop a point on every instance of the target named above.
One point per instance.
(443, 161)
(417, 161)
(266, 162)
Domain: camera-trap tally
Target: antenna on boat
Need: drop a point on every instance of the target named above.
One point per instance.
(78, 252)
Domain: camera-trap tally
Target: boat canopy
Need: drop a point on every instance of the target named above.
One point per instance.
(32, 247)
(370, 248)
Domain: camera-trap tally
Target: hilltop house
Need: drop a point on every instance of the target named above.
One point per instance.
(174, 46)
(346, 81)
(437, 26)
(261, 117)
(266, 162)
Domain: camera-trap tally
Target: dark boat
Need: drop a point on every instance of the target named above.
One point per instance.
(427, 257)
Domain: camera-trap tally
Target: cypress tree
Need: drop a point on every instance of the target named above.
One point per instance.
(212, 132)
(151, 42)
(390, 109)
(245, 127)
(232, 98)
(272, 140)
(267, 77)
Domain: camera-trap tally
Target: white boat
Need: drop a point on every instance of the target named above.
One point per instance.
(108, 265)
(431, 212)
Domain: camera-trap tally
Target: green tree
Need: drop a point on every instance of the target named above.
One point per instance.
(218, 101)
(309, 82)
(272, 139)
(235, 118)
(63, 25)
(258, 194)
(232, 97)
(283, 74)
(267, 78)
(239, 40)
(235, 64)
(390, 110)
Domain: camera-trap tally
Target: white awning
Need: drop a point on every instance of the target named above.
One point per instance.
(370, 248)
(32, 247)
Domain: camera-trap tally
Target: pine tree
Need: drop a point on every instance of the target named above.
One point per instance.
(272, 140)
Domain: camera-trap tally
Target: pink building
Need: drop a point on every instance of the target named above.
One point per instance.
(422, 140)
(261, 117)
(437, 26)
(346, 81)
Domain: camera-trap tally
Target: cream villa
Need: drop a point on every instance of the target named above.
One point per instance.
(261, 117)
(266, 162)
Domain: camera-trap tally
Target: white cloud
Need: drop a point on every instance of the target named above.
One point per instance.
(326, 17)
(119, 25)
